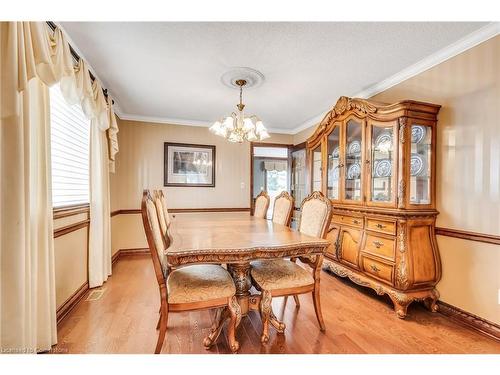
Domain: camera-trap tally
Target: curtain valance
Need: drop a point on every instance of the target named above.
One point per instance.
(275, 165)
(31, 50)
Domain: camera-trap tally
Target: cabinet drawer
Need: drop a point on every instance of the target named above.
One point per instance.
(381, 246)
(378, 269)
(355, 221)
(381, 226)
(348, 220)
(337, 218)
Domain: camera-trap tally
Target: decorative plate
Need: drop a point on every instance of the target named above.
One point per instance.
(383, 168)
(417, 133)
(384, 142)
(416, 164)
(354, 171)
(354, 148)
(336, 152)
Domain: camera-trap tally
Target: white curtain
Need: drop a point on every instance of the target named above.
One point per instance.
(32, 58)
(100, 219)
(27, 296)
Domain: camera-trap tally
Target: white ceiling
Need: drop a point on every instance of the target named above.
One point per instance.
(170, 71)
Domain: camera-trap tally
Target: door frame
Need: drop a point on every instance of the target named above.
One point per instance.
(288, 159)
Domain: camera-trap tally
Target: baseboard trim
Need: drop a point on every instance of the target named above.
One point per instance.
(71, 302)
(470, 320)
(129, 252)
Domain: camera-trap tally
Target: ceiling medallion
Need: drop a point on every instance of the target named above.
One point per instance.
(253, 77)
(237, 127)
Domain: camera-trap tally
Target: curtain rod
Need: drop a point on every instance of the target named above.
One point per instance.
(77, 57)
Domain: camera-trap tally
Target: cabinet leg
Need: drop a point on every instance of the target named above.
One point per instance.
(401, 302)
(431, 301)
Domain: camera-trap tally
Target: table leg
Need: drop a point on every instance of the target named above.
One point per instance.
(241, 276)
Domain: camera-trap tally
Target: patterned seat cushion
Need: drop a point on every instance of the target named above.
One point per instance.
(200, 282)
(279, 274)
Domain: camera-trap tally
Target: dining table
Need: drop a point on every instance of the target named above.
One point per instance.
(235, 239)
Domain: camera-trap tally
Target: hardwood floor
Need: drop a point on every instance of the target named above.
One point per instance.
(123, 320)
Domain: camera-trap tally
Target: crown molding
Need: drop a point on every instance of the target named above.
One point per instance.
(184, 122)
(473, 39)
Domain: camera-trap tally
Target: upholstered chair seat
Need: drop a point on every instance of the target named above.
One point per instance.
(199, 283)
(279, 274)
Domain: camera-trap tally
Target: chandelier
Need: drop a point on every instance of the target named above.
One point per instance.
(238, 127)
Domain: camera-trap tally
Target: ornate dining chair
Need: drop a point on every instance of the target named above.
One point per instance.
(261, 205)
(283, 208)
(194, 287)
(282, 277)
(162, 211)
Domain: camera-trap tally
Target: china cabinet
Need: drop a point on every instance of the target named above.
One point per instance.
(376, 163)
(298, 185)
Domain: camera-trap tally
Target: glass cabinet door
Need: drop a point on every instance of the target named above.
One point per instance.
(333, 177)
(353, 151)
(316, 168)
(420, 164)
(382, 163)
(298, 187)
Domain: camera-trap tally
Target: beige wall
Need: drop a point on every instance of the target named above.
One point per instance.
(468, 170)
(139, 165)
(70, 253)
(304, 134)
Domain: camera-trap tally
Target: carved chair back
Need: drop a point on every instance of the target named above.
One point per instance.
(316, 215)
(283, 208)
(161, 207)
(156, 241)
(261, 205)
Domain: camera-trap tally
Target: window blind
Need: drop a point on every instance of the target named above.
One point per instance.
(70, 138)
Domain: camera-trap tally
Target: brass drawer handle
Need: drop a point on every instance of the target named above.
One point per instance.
(378, 244)
(374, 268)
(356, 221)
(380, 226)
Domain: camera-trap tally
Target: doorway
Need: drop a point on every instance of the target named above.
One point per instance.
(270, 171)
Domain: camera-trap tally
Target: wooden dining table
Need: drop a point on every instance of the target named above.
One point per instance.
(236, 239)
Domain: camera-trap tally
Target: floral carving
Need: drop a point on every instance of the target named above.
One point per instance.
(346, 104)
(402, 129)
(401, 193)
(241, 277)
(402, 271)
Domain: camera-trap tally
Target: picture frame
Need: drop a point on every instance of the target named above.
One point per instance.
(188, 165)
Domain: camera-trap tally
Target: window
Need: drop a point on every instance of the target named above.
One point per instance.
(70, 137)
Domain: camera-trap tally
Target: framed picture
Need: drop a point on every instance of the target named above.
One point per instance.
(189, 165)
